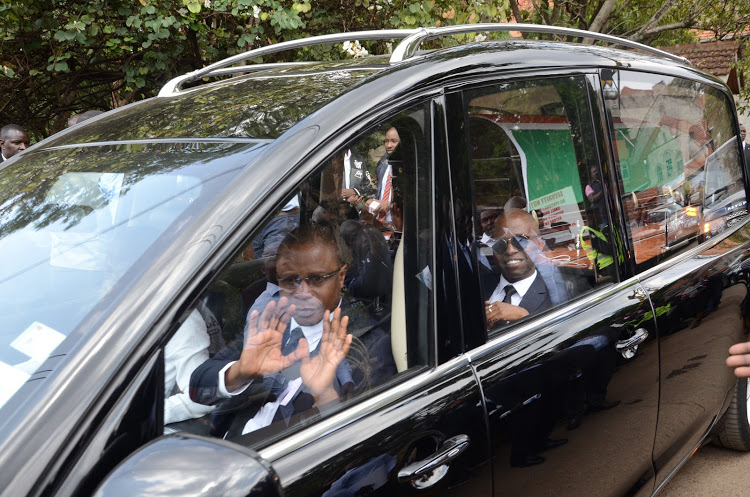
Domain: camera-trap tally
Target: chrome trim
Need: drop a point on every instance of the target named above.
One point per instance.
(257, 67)
(393, 393)
(160, 141)
(628, 347)
(409, 46)
(281, 65)
(427, 472)
(173, 86)
(411, 40)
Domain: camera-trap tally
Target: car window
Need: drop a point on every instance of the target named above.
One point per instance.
(543, 225)
(76, 221)
(678, 161)
(314, 311)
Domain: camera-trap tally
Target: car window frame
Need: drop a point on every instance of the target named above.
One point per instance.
(243, 234)
(601, 152)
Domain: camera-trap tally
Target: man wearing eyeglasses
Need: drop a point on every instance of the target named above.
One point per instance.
(523, 288)
(295, 354)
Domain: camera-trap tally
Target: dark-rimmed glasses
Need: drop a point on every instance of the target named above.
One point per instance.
(313, 280)
(520, 242)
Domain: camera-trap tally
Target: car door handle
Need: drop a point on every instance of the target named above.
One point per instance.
(629, 346)
(434, 467)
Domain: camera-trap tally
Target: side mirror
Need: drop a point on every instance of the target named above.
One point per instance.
(190, 465)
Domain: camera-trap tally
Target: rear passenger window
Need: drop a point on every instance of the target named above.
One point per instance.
(314, 311)
(678, 161)
(544, 232)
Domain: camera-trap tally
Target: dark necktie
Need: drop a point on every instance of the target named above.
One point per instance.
(509, 291)
(293, 340)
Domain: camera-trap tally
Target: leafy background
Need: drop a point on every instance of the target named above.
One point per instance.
(62, 57)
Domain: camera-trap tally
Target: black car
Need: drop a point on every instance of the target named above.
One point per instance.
(273, 279)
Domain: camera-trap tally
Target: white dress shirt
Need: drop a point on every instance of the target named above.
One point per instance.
(521, 286)
(347, 167)
(185, 351)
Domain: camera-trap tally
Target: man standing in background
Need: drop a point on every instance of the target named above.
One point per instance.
(13, 139)
(385, 176)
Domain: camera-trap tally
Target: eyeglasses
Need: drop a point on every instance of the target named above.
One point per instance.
(313, 281)
(520, 242)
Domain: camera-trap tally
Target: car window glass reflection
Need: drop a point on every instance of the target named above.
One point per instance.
(540, 204)
(312, 314)
(528, 281)
(679, 163)
(91, 225)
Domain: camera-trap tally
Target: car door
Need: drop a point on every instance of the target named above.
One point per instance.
(572, 388)
(681, 155)
(424, 430)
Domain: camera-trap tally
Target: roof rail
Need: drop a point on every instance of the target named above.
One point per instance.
(173, 86)
(407, 48)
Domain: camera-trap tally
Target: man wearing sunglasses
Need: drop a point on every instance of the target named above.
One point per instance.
(295, 358)
(522, 288)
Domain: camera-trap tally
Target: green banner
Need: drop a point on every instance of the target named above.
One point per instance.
(548, 158)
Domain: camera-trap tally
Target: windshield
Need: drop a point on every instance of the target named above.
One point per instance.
(75, 220)
(258, 107)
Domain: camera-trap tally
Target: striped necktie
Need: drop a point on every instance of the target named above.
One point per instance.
(386, 193)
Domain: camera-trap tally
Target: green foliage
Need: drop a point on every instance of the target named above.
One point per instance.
(60, 57)
(662, 23)
(743, 67)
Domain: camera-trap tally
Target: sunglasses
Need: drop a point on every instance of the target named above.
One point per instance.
(313, 281)
(520, 242)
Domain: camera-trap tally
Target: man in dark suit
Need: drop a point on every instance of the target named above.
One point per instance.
(13, 139)
(295, 359)
(523, 287)
(745, 146)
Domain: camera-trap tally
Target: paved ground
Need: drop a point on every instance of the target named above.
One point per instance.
(712, 472)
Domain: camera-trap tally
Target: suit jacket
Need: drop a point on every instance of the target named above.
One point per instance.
(537, 298)
(359, 176)
(746, 149)
(370, 362)
(547, 290)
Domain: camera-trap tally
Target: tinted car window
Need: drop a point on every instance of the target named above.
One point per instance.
(678, 161)
(352, 239)
(540, 200)
(75, 221)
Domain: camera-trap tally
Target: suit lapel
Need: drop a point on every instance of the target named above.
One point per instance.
(537, 296)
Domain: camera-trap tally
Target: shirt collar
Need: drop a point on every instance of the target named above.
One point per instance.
(521, 286)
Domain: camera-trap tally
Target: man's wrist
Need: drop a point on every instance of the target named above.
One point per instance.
(326, 397)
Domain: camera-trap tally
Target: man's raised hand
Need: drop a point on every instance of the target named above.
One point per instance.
(319, 372)
(261, 354)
